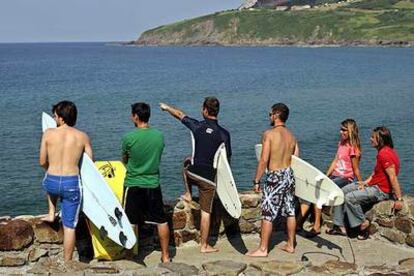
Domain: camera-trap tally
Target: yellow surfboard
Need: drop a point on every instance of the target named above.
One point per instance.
(114, 174)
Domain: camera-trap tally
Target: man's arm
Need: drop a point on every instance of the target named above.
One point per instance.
(395, 186)
(263, 161)
(175, 112)
(88, 147)
(43, 153)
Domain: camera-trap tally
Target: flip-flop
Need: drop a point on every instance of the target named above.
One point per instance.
(364, 234)
(335, 232)
(312, 233)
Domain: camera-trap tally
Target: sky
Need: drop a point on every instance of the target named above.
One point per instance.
(95, 20)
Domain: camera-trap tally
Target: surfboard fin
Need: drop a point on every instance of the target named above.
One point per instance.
(332, 196)
(319, 178)
(118, 215)
(320, 203)
(122, 238)
(112, 220)
(103, 233)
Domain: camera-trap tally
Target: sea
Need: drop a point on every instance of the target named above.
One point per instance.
(321, 86)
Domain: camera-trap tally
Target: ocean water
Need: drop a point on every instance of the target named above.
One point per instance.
(322, 87)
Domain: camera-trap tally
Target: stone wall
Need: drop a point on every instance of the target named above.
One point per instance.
(26, 239)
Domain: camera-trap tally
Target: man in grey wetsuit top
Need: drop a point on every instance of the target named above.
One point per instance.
(208, 136)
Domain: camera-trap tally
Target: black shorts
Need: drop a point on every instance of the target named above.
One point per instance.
(144, 205)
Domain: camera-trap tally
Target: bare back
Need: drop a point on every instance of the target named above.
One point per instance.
(61, 150)
(280, 144)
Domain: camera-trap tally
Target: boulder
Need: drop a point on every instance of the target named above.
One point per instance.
(386, 222)
(224, 267)
(384, 209)
(15, 235)
(12, 259)
(246, 227)
(410, 240)
(251, 214)
(48, 232)
(403, 224)
(250, 200)
(393, 235)
(179, 220)
(36, 253)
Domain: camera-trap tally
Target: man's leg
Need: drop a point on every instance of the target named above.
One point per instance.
(204, 231)
(353, 202)
(187, 196)
(164, 235)
(51, 200)
(69, 239)
(304, 208)
(265, 235)
(291, 233)
(318, 218)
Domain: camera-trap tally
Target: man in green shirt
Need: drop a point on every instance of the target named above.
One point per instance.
(141, 152)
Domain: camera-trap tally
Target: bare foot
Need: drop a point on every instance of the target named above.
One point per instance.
(364, 225)
(165, 260)
(48, 218)
(208, 249)
(257, 253)
(287, 248)
(186, 197)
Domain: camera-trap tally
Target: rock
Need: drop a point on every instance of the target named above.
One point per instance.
(15, 235)
(53, 249)
(317, 270)
(185, 236)
(251, 214)
(373, 228)
(369, 215)
(179, 220)
(384, 209)
(251, 271)
(378, 270)
(246, 227)
(104, 268)
(278, 267)
(4, 219)
(250, 200)
(48, 232)
(180, 268)
(153, 272)
(12, 260)
(386, 222)
(194, 220)
(393, 235)
(128, 265)
(407, 263)
(410, 240)
(47, 265)
(224, 267)
(403, 224)
(338, 267)
(180, 205)
(36, 253)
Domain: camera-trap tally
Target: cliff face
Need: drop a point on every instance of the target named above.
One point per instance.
(366, 22)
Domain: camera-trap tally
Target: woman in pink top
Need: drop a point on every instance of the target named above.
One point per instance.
(344, 168)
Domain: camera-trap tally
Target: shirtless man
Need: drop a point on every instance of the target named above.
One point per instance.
(60, 152)
(279, 145)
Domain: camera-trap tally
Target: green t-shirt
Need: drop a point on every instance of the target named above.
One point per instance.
(144, 147)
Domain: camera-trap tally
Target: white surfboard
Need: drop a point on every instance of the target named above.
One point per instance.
(99, 203)
(225, 185)
(311, 184)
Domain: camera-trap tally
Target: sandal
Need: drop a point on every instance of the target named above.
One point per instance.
(312, 233)
(335, 231)
(364, 234)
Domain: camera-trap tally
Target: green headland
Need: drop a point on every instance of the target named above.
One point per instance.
(366, 22)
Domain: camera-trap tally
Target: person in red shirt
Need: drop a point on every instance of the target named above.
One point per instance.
(381, 185)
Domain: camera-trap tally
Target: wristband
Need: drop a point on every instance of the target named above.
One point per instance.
(256, 183)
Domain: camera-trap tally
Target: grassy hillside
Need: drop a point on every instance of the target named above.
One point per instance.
(362, 22)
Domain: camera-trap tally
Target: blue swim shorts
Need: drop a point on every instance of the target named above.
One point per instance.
(68, 189)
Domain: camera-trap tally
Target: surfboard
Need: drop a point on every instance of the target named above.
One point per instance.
(225, 185)
(114, 174)
(311, 184)
(99, 203)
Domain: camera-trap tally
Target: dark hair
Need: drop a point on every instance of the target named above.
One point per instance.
(142, 110)
(212, 105)
(384, 138)
(281, 110)
(67, 111)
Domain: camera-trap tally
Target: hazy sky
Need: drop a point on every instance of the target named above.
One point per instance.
(95, 20)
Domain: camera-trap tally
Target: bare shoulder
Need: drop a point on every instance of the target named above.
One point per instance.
(81, 134)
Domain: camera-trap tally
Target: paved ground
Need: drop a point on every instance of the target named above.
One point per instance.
(323, 248)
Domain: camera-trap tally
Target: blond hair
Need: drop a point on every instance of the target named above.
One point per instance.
(353, 132)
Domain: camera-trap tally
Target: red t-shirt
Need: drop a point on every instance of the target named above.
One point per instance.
(386, 157)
